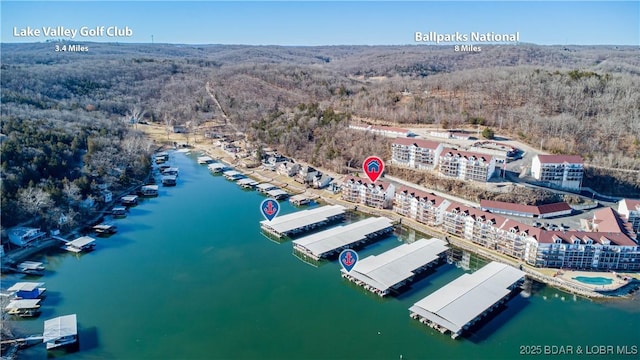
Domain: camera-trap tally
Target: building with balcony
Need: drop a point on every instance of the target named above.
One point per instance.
(426, 208)
(562, 171)
(465, 165)
(362, 191)
(415, 153)
(630, 210)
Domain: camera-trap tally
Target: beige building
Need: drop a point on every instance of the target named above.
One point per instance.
(563, 171)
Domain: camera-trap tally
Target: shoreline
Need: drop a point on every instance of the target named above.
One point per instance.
(289, 184)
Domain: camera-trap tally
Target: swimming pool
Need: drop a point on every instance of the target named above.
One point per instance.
(593, 280)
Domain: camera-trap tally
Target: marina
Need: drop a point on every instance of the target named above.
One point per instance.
(302, 221)
(328, 243)
(391, 270)
(463, 302)
(254, 286)
(81, 244)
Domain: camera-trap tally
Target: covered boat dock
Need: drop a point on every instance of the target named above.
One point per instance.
(83, 243)
(301, 221)
(27, 290)
(264, 187)
(330, 242)
(391, 270)
(460, 304)
(23, 307)
(278, 194)
(60, 331)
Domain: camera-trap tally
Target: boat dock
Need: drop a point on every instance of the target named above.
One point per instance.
(204, 160)
(169, 180)
(301, 221)
(149, 190)
(30, 268)
(393, 269)
(247, 183)
(233, 175)
(119, 211)
(60, 331)
(330, 242)
(105, 229)
(83, 243)
(463, 302)
(217, 168)
(27, 290)
(299, 200)
(129, 200)
(264, 187)
(24, 307)
(278, 194)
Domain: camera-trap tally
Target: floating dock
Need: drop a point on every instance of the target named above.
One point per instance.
(24, 307)
(169, 180)
(105, 229)
(83, 243)
(129, 200)
(278, 194)
(149, 190)
(60, 331)
(464, 301)
(204, 160)
(27, 290)
(217, 168)
(393, 269)
(119, 211)
(233, 175)
(299, 200)
(330, 242)
(301, 221)
(170, 171)
(264, 187)
(247, 183)
(30, 268)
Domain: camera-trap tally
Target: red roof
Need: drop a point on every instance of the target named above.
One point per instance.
(381, 184)
(527, 209)
(465, 154)
(597, 237)
(425, 144)
(477, 213)
(560, 159)
(632, 204)
(437, 200)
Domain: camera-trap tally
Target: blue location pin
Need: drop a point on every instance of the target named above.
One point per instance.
(269, 209)
(348, 259)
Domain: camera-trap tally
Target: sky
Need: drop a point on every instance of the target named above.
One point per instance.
(313, 23)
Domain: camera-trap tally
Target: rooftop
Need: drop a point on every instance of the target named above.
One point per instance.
(465, 298)
(398, 264)
(560, 159)
(425, 144)
(465, 154)
(529, 209)
(299, 219)
(59, 327)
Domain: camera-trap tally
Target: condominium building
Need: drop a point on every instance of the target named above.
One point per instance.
(564, 171)
(630, 209)
(415, 153)
(465, 165)
(377, 195)
(610, 243)
(426, 208)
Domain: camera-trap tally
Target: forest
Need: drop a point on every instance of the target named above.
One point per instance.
(69, 121)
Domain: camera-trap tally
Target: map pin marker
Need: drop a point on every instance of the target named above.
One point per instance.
(348, 259)
(373, 166)
(269, 209)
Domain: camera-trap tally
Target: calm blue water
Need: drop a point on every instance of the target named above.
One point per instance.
(189, 276)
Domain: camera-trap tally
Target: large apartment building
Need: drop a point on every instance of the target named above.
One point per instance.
(377, 195)
(564, 171)
(415, 153)
(630, 209)
(610, 243)
(423, 207)
(465, 165)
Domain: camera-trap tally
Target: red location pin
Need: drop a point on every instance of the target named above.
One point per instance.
(373, 166)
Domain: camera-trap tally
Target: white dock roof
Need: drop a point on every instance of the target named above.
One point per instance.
(340, 236)
(81, 241)
(396, 265)
(246, 181)
(300, 219)
(277, 192)
(59, 327)
(23, 304)
(30, 265)
(216, 166)
(465, 298)
(25, 286)
(266, 186)
(231, 173)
